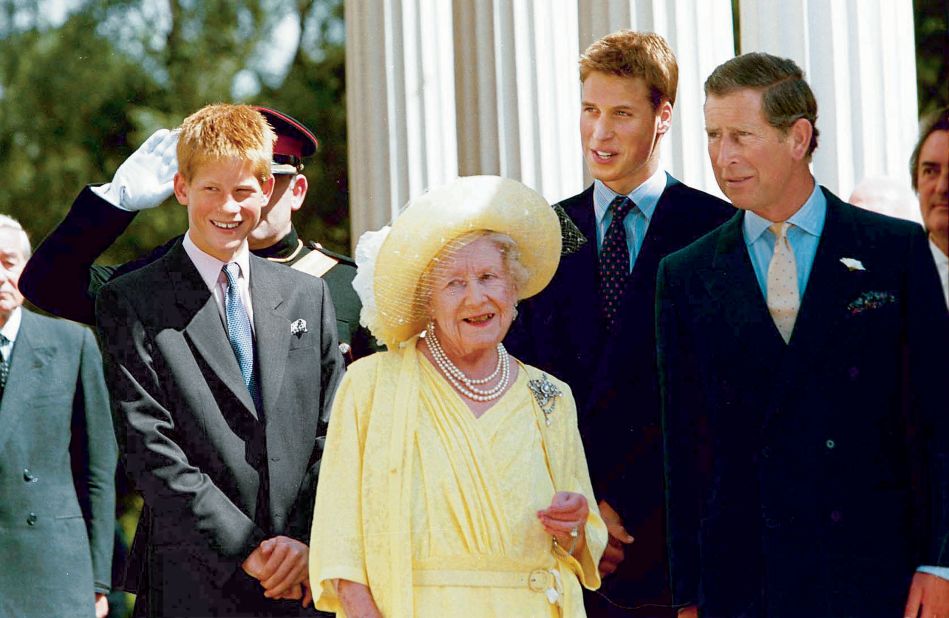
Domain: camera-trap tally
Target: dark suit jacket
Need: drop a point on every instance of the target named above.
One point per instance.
(62, 278)
(614, 376)
(217, 477)
(807, 479)
(57, 467)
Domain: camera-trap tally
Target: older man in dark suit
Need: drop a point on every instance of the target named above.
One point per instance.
(594, 325)
(802, 350)
(222, 367)
(57, 457)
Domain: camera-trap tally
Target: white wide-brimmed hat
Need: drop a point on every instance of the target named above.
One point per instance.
(427, 225)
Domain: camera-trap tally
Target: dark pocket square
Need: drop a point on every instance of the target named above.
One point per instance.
(868, 301)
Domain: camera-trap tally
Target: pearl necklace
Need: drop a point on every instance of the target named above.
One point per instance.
(465, 385)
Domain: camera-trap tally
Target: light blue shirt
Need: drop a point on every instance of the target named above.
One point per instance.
(645, 196)
(804, 236)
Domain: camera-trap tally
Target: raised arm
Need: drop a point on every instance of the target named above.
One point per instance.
(61, 277)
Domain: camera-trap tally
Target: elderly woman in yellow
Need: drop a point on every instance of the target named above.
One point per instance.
(453, 482)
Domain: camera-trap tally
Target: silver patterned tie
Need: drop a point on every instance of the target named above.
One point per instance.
(239, 331)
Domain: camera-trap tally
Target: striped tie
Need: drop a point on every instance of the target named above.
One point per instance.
(4, 364)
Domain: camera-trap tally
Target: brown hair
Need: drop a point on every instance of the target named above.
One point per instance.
(635, 54)
(937, 121)
(225, 131)
(785, 96)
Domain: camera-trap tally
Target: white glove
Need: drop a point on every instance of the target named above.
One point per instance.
(145, 179)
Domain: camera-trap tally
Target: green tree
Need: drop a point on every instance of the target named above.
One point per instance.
(78, 97)
(932, 50)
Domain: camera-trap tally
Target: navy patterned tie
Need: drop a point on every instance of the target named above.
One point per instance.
(239, 331)
(614, 260)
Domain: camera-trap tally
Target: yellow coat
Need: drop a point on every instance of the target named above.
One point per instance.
(414, 491)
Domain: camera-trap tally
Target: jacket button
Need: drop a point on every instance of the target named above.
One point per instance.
(830, 444)
(31, 519)
(28, 476)
(836, 516)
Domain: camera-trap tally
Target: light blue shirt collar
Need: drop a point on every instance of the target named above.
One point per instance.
(809, 218)
(804, 238)
(645, 196)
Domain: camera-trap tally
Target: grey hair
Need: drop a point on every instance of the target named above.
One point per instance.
(510, 258)
(8, 222)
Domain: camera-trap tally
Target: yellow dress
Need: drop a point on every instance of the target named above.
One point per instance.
(468, 499)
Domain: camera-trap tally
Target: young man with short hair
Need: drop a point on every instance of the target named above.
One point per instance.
(221, 368)
(594, 325)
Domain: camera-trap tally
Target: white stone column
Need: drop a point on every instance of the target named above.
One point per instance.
(439, 88)
(517, 92)
(400, 104)
(859, 58)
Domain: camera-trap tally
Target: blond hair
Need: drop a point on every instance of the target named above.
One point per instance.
(224, 131)
(635, 54)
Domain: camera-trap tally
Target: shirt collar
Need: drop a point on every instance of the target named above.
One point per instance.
(645, 196)
(12, 327)
(209, 267)
(938, 255)
(809, 218)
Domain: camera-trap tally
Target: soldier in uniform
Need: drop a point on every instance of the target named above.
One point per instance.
(63, 279)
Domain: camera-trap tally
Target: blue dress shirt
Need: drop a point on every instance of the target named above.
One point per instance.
(808, 224)
(645, 196)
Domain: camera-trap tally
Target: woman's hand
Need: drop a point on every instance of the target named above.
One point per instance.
(357, 599)
(565, 519)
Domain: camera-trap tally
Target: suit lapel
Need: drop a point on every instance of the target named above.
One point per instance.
(642, 279)
(31, 352)
(204, 326)
(272, 332)
(289, 429)
(732, 284)
(830, 286)
(581, 274)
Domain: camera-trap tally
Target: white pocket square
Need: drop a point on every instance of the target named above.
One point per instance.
(298, 327)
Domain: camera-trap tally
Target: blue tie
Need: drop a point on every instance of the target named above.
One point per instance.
(239, 331)
(614, 260)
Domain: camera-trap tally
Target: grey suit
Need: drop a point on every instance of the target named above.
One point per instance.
(217, 475)
(57, 467)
